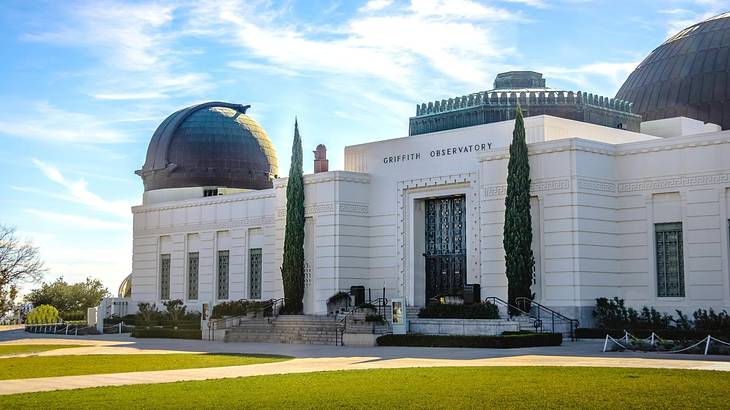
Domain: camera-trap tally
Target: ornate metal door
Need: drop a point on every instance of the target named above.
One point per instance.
(445, 245)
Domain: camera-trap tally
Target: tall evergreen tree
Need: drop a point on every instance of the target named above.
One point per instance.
(519, 260)
(292, 269)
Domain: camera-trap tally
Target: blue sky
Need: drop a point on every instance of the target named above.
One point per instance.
(83, 86)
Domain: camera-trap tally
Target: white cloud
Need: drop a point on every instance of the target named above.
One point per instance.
(49, 123)
(583, 76)
(78, 192)
(375, 5)
(79, 222)
(540, 4)
(453, 37)
(135, 47)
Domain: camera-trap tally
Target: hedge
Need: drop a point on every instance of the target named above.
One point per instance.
(669, 334)
(497, 342)
(453, 311)
(167, 333)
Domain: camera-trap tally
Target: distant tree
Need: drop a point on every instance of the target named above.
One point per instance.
(69, 297)
(20, 262)
(519, 260)
(292, 268)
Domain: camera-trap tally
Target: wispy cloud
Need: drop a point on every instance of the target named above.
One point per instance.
(48, 123)
(77, 192)
(453, 37)
(375, 5)
(583, 75)
(77, 221)
(135, 46)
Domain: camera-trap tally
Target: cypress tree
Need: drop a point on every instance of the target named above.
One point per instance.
(517, 241)
(292, 269)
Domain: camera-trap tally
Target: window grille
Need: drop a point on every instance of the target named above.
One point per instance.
(669, 259)
(193, 262)
(223, 257)
(254, 256)
(165, 276)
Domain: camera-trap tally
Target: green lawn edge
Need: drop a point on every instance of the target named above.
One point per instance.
(442, 387)
(75, 365)
(12, 349)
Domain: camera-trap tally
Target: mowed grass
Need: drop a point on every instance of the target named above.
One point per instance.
(6, 350)
(426, 388)
(72, 365)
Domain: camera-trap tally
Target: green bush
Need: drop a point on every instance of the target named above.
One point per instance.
(496, 342)
(375, 318)
(232, 308)
(709, 320)
(73, 315)
(339, 297)
(167, 333)
(448, 311)
(43, 314)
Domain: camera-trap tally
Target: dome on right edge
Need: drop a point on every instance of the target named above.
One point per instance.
(688, 76)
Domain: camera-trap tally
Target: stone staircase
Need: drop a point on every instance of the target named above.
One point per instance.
(301, 329)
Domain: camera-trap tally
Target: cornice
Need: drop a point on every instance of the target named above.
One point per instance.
(211, 200)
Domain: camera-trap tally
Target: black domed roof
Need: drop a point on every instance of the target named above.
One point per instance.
(688, 75)
(212, 144)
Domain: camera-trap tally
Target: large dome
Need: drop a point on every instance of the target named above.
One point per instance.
(688, 75)
(214, 144)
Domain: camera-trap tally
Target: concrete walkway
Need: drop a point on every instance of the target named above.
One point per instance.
(312, 358)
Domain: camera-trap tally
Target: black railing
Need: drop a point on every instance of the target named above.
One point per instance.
(547, 316)
(380, 305)
(273, 305)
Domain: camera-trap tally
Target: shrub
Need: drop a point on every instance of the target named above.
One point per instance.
(175, 310)
(612, 313)
(73, 315)
(339, 297)
(232, 308)
(709, 320)
(498, 342)
(375, 318)
(167, 333)
(147, 312)
(448, 311)
(43, 314)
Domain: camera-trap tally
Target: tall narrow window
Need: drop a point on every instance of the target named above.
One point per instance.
(193, 261)
(165, 276)
(669, 259)
(254, 256)
(223, 274)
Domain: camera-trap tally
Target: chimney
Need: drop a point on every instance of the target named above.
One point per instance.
(320, 159)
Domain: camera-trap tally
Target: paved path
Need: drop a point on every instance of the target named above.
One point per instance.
(312, 358)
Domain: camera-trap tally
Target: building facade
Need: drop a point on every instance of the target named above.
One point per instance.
(641, 216)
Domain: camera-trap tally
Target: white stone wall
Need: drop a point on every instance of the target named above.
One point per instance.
(597, 193)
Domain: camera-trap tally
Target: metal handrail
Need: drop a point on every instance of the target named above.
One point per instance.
(380, 302)
(510, 308)
(573, 323)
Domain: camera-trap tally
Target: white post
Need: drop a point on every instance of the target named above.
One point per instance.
(120, 328)
(67, 328)
(707, 345)
(605, 344)
(652, 338)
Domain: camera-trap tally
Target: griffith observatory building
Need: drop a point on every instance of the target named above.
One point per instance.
(630, 196)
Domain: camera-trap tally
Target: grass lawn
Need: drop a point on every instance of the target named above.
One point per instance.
(6, 350)
(460, 387)
(70, 365)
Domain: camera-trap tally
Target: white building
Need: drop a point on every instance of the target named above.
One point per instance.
(642, 216)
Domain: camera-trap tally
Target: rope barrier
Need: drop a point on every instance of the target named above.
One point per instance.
(652, 340)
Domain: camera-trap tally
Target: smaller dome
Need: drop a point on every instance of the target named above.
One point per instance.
(125, 288)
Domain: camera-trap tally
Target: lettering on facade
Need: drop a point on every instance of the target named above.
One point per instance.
(439, 152)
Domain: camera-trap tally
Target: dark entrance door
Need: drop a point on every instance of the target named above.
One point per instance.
(445, 245)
